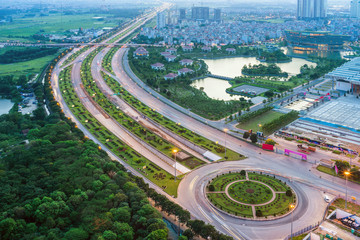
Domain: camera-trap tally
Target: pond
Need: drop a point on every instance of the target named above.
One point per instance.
(5, 106)
(215, 88)
(231, 67)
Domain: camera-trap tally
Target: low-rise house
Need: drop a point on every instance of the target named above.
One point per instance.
(186, 62)
(187, 48)
(185, 71)
(230, 50)
(158, 66)
(170, 58)
(170, 76)
(171, 50)
(165, 54)
(141, 52)
(206, 49)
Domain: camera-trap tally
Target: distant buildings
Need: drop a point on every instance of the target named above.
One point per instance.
(182, 15)
(315, 41)
(217, 14)
(311, 9)
(200, 13)
(160, 20)
(355, 9)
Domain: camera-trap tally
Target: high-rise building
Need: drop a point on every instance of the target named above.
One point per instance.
(217, 14)
(182, 14)
(355, 9)
(160, 20)
(200, 13)
(311, 9)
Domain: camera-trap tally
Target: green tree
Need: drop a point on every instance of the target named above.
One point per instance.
(253, 138)
(160, 234)
(246, 135)
(76, 234)
(109, 235)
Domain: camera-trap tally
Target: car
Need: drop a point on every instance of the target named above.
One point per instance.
(326, 199)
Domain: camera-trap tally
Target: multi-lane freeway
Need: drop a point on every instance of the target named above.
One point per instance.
(309, 185)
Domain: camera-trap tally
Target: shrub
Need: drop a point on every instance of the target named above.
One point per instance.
(211, 188)
(289, 193)
(270, 141)
(259, 213)
(246, 135)
(242, 172)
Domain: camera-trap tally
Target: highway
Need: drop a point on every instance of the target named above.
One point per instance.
(307, 183)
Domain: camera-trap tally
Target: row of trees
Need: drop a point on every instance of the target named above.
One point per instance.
(263, 70)
(26, 54)
(280, 121)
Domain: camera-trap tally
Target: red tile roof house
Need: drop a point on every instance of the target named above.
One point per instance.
(187, 48)
(170, 58)
(186, 62)
(170, 76)
(141, 52)
(185, 71)
(158, 66)
(171, 50)
(230, 50)
(206, 49)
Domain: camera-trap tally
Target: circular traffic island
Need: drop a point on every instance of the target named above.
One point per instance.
(251, 195)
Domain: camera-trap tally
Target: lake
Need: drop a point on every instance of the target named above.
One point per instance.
(5, 106)
(215, 88)
(231, 67)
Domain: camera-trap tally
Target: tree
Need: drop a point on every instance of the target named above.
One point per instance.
(242, 172)
(270, 142)
(182, 237)
(109, 235)
(253, 138)
(259, 213)
(7, 226)
(289, 193)
(76, 234)
(160, 234)
(246, 135)
(211, 188)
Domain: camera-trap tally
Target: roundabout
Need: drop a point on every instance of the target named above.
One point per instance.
(251, 195)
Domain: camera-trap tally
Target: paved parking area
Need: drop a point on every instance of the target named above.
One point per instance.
(344, 111)
(250, 89)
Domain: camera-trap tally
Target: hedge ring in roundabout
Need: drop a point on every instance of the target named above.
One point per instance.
(251, 195)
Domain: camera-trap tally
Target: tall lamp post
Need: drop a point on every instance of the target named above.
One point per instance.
(292, 206)
(175, 152)
(347, 173)
(225, 130)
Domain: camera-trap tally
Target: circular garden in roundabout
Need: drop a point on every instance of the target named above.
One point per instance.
(251, 195)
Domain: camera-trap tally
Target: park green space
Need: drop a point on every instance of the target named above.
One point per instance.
(24, 27)
(172, 126)
(26, 68)
(180, 90)
(332, 172)
(351, 207)
(253, 124)
(133, 126)
(145, 167)
(250, 192)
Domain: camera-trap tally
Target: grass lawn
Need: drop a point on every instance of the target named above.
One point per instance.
(26, 68)
(22, 27)
(332, 172)
(351, 207)
(261, 119)
(250, 192)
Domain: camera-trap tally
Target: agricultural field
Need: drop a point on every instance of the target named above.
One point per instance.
(22, 28)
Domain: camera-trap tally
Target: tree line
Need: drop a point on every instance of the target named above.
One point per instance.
(26, 54)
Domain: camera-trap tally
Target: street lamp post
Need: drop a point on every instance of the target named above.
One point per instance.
(292, 206)
(347, 173)
(175, 152)
(225, 130)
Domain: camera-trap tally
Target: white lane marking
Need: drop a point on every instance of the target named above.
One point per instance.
(206, 216)
(225, 226)
(193, 182)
